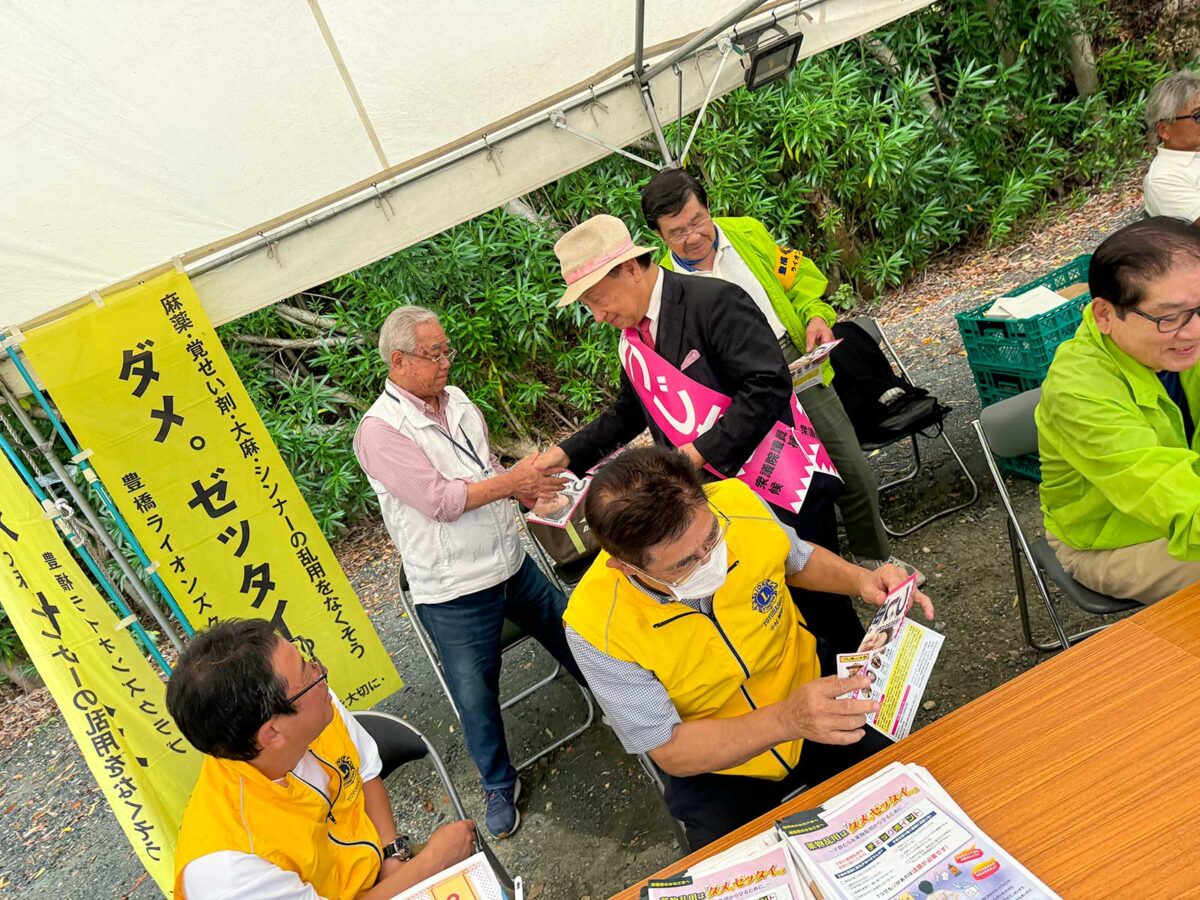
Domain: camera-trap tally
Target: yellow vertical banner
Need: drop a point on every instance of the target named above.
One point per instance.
(113, 701)
(145, 385)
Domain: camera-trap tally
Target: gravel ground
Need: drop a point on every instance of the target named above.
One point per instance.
(591, 822)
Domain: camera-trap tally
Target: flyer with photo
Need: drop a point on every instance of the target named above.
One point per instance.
(897, 655)
(899, 836)
(806, 371)
(471, 879)
(768, 875)
(557, 511)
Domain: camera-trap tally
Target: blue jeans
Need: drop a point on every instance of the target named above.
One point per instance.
(466, 632)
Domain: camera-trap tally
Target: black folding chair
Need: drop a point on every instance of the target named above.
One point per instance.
(875, 330)
(1007, 429)
(399, 744)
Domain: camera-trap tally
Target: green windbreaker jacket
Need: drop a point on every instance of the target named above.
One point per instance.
(1116, 467)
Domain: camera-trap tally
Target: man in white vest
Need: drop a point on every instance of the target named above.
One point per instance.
(445, 502)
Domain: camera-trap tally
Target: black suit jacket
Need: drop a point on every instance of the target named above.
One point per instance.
(739, 357)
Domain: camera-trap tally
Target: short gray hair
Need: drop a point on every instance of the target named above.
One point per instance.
(399, 330)
(1168, 96)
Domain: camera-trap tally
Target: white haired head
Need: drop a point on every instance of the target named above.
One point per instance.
(1170, 95)
(399, 330)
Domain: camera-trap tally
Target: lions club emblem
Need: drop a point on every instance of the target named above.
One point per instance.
(350, 780)
(765, 596)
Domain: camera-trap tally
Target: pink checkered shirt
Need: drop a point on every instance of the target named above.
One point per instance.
(401, 466)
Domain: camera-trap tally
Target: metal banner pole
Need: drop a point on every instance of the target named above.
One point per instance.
(127, 616)
(81, 503)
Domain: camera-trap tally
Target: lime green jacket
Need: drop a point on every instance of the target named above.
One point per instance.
(793, 283)
(1116, 467)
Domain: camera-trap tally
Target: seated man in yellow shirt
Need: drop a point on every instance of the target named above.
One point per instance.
(289, 803)
(684, 630)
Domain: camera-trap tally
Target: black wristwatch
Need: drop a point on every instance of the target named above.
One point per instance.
(401, 848)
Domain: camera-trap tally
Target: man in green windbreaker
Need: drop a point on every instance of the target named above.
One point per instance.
(1117, 419)
(789, 289)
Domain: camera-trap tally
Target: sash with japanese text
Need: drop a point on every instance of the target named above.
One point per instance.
(145, 384)
(113, 700)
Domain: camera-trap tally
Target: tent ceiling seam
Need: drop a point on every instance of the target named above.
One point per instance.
(351, 89)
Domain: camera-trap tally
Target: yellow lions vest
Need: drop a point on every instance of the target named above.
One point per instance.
(329, 842)
(753, 650)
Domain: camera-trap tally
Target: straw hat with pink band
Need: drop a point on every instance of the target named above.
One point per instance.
(590, 250)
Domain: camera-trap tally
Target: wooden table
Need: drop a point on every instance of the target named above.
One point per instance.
(1085, 768)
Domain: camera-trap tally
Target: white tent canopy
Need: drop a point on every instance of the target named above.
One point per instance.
(272, 146)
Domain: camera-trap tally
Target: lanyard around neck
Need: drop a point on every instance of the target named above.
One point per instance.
(469, 449)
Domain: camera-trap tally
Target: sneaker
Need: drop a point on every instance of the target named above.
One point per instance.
(502, 816)
(868, 563)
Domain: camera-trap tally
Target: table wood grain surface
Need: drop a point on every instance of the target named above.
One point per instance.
(1084, 768)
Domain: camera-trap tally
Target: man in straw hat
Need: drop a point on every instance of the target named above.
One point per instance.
(702, 370)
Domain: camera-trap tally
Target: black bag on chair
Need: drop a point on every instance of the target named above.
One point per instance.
(882, 406)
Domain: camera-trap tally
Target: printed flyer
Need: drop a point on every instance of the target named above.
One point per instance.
(899, 836)
(897, 655)
(769, 875)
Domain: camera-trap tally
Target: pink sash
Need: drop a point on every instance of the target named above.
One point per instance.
(782, 465)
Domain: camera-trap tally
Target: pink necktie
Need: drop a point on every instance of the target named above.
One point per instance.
(644, 331)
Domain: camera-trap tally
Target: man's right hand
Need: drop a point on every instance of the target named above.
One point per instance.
(451, 843)
(553, 458)
(813, 712)
(532, 479)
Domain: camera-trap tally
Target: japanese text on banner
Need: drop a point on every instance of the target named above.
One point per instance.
(112, 699)
(146, 385)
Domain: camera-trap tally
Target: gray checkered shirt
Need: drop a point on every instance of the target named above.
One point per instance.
(634, 700)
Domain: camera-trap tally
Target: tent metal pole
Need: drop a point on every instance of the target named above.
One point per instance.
(740, 12)
(81, 503)
(75, 541)
(652, 115)
(98, 486)
(726, 47)
(639, 36)
(559, 119)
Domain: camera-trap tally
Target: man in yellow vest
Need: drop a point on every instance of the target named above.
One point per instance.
(685, 633)
(289, 803)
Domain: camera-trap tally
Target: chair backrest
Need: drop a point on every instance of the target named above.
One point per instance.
(1009, 425)
(398, 742)
(870, 326)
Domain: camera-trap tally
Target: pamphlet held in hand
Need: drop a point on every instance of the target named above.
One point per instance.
(897, 655)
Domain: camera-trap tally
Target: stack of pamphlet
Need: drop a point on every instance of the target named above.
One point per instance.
(899, 836)
(758, 869)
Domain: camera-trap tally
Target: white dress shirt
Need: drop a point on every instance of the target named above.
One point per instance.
(729, 266)
(1172, 185)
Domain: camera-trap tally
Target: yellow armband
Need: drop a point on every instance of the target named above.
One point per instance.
(787, 264)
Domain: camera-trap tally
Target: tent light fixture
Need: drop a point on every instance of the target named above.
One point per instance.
(772, 58)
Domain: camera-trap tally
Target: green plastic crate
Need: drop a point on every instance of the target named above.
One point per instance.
(1027, 466)
(996, 384)
(1026, 344)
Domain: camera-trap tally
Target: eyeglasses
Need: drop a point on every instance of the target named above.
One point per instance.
(1194, 115)
(446, 356)
(675, 235)
(1169, 324)
(305, 646)
(721, 526)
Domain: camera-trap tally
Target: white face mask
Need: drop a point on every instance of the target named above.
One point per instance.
(708, 577)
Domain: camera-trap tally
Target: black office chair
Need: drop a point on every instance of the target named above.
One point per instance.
(1007, 429)
(875, 331)
(400, 743)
